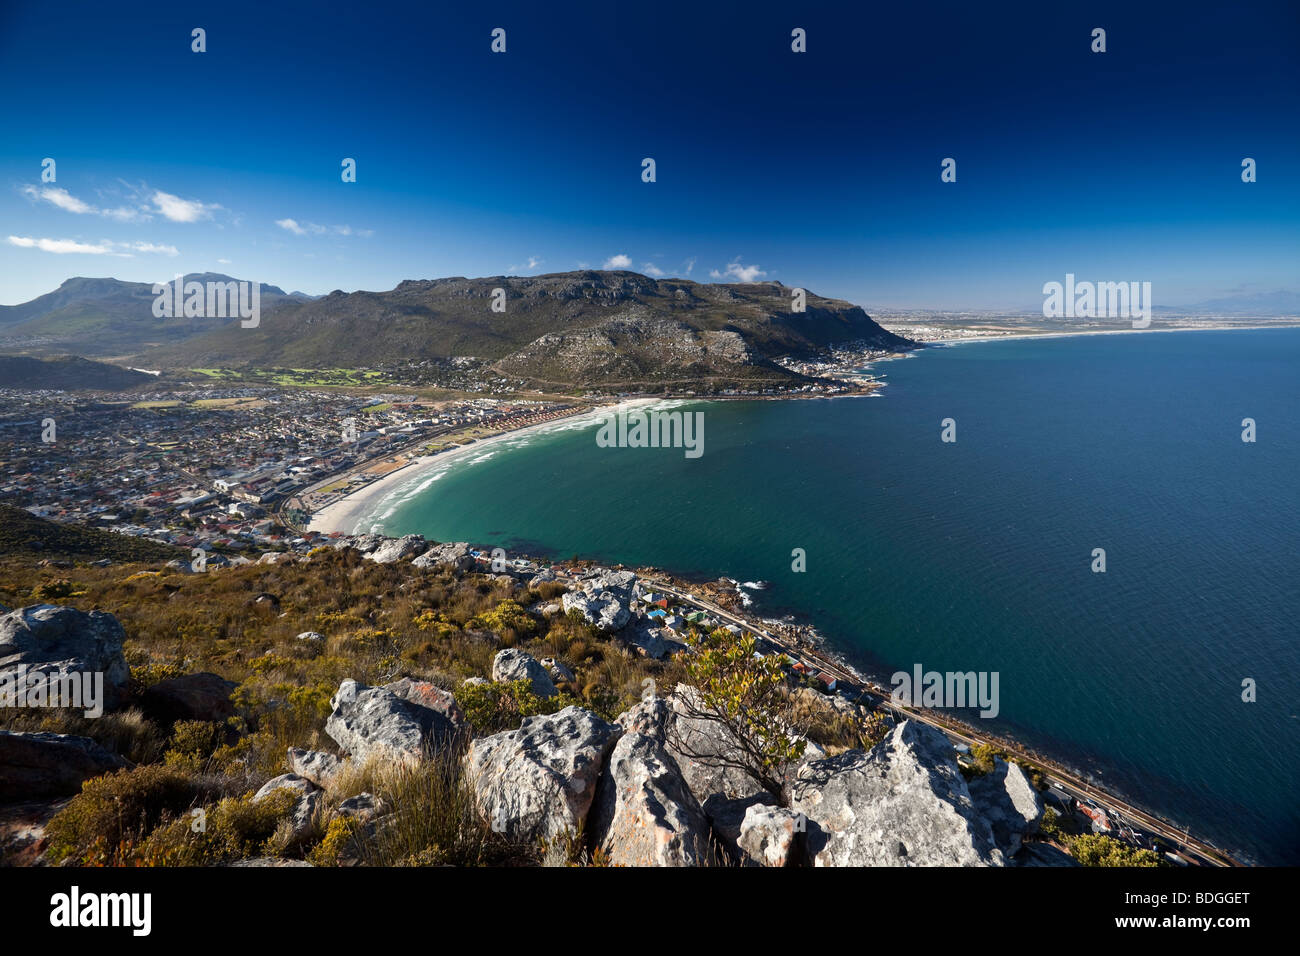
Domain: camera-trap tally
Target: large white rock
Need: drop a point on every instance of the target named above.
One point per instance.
(455, 555)
(904, 803)
(768, 835)
(48, 646)
(395, 549)
(286, 781)
(314, 765)
(1009, 802)
(512, 664)
(539, 781)
(372, 721)
(605, 609)
(645, 814)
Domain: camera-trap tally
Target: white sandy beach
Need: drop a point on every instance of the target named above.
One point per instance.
(358, 512)
(1069, 335)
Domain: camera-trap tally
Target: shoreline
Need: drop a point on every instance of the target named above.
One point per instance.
(346, 515)
(956, 340)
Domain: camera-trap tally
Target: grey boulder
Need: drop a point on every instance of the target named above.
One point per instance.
(373, 722)
(430, 696)
(49, 765)
(454, 555)
(903, 803)
(512, 664)
(768, 835)
(314, 765)
(605, 609)
(286, 781)
(395, 549)
(1009, 802)
(539, 781)
(645, 814)
(55, 644)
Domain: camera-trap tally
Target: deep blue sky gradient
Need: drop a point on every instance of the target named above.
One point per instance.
(821, 169)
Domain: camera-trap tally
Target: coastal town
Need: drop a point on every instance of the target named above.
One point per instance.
(211, 468)
(233, 466)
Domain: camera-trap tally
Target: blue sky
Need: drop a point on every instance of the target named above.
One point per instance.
(819, 169)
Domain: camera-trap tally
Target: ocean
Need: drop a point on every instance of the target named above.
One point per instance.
(978, 554)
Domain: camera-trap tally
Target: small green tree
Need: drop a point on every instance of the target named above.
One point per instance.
(745, 695)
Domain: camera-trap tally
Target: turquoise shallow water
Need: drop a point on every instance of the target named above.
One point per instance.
(976, 555)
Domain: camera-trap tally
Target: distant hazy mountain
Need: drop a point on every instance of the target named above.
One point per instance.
(573, 328)
(68, 373)
(105, 317)
(1278, 303)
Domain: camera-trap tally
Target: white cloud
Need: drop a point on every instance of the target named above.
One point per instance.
(58, 196)
(315, 229)
(154, 247)
(66, 201)
(182, 210)
(533, 263)
(105, 247)
(125, 214)
(619, 261)
(651, 269)
(738, 272)
(64, 246)
(690, 264)
(224, 262)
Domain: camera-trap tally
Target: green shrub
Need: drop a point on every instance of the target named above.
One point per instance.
(235, 829)
(507, 618)
(493, 707)
(100, 825)
(338, 835)
(1095, 849)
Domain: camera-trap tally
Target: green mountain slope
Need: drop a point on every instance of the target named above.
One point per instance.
(570, 328)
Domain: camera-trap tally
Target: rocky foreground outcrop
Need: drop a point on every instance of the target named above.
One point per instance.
(374, 722)
(34, 765)
(202, 696)
(660, 786)
(46, 644)
(903, 803)
(645, 814)
(538, 782)
(512, 664)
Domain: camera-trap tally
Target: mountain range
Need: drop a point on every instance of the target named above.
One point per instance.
(568, 329)
(105, 318)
